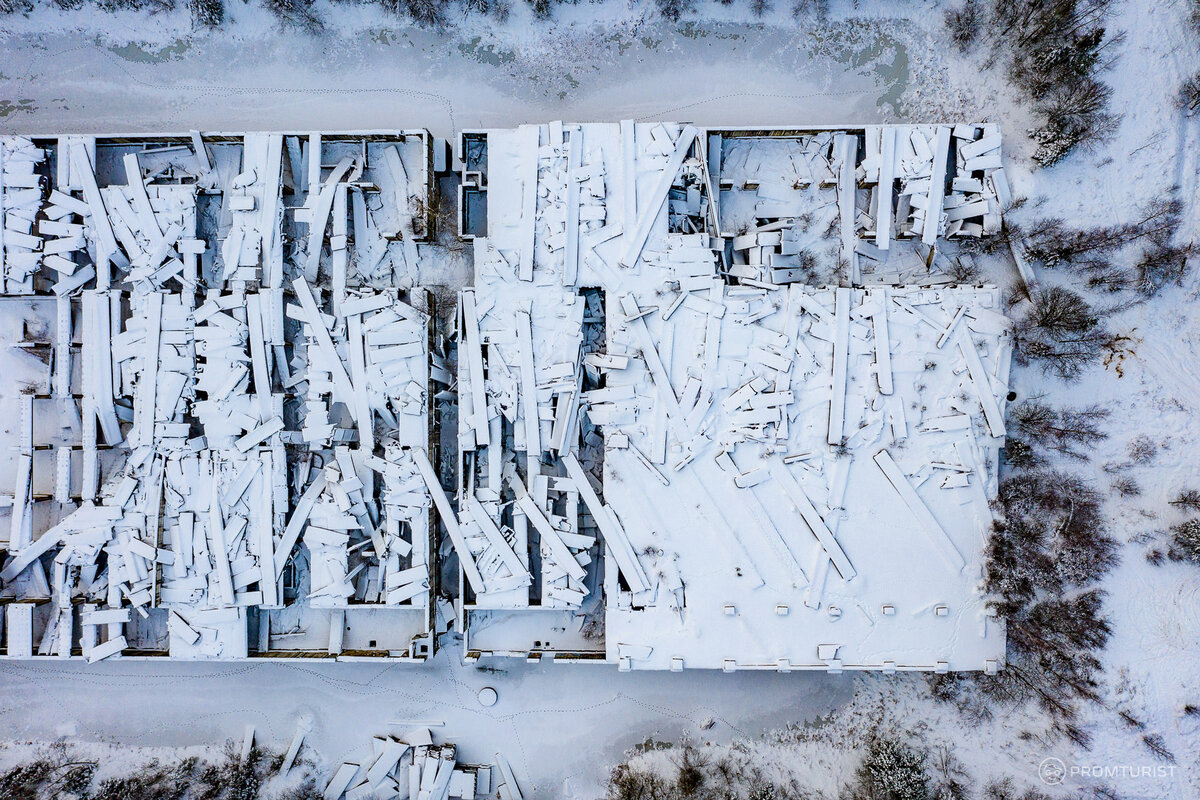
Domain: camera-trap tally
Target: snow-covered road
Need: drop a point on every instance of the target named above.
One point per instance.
(555, 723)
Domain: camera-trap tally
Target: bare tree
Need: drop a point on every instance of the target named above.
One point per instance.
(1073, 432)
(1061, 331)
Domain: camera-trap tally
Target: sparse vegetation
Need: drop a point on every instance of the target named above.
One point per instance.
(1188, 499)
(1004, 790)
(814, 9)
(1141, 449)
(1053, 53)
(61, 774)
(964, 24)
(1091, 252)
(672, 10)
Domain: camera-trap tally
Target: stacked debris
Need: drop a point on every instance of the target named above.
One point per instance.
(22, 250)
(367, 540)
(413, 766)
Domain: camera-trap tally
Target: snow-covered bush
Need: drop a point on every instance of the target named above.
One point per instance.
(1141, 449)
(1188, 499)
(814, 9)
(22, 782)
(76, 780)
(136, 5)
(208, 13)
(1185, 541)
(964, 24)
(633, 783)
(674, 9)
(429, 13)
(15, 6)
(296, 14)
(1160, 266)
(890, 771)
(1004, 790)
(1189, 95)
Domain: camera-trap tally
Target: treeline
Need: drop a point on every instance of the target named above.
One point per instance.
(306, 15)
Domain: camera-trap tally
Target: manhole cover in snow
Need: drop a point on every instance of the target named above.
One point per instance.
(487, 697)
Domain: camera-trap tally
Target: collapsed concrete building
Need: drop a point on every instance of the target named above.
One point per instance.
(239, 354)
(782, 476)
(726, 398)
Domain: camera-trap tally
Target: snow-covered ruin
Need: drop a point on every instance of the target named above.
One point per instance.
(782, 476)
(238, 354)
(726, 398)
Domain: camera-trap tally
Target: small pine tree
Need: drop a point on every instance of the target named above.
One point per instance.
(964, 24)
(673, 10)
(1185, 541)
(296, 14)
(208, 13)
(1189, 95)
(893, 771)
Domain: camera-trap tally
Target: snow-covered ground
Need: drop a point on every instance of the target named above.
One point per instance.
(564, 727)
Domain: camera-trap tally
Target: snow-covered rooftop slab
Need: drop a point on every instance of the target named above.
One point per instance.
(240, 395)
(675, 451)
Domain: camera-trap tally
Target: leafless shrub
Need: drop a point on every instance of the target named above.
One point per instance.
(1160, 266)
(1141, 449)
(632, 783)
(1004, 790)
(817, 9)
(1126, 486)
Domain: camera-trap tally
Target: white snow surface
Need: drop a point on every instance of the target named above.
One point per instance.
(564, 727)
